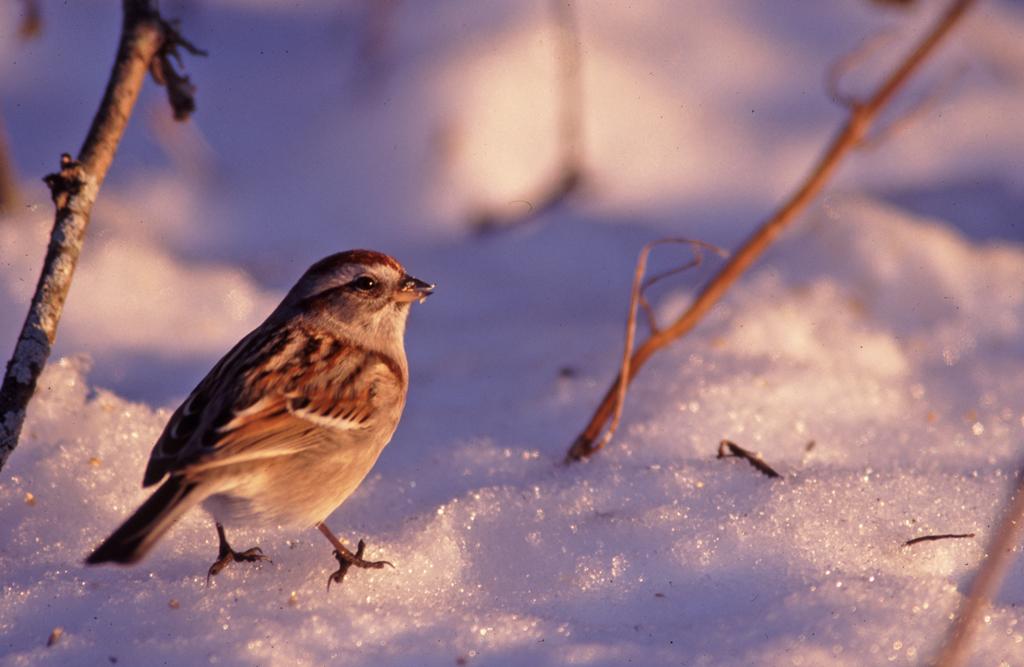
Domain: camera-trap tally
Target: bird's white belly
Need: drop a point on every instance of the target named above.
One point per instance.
(299, 490)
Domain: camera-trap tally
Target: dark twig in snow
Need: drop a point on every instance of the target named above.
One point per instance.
(1000, 553)
(569, 174)
(727, 448)
(861, 118)
(55, 636)
(145, 38)
(934, 538)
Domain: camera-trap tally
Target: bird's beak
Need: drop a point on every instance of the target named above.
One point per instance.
(413, 289)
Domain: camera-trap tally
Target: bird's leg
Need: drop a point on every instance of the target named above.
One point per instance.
(346, 558)
(228, 555)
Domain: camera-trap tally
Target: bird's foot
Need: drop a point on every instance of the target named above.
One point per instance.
(229, 555)
(347, 559)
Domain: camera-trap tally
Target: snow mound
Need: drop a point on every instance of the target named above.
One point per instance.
(651, 551)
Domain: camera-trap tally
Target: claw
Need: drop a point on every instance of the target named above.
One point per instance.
(347, 559)
(228, 555)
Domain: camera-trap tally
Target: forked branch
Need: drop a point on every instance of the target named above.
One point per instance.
(637, 301)
(145, 39)
(862, 115)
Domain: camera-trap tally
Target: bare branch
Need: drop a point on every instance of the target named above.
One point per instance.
(728, 448)
(925, 104)
(10, 197)
(636, 299)
(698, 258)
(569, 174)
(627, 352)
(144, 37)
(998, 557)
(844, 64)
(861, 117)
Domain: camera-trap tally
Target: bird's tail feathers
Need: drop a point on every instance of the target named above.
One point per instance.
(136, 536)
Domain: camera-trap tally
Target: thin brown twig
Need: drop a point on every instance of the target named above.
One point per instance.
(652, 320)
(845, 63)
(145, 36)
(926, 103)
(568, 174)
(842, 66)
(636, 298)
(998, 557)
(934, 538)
(698, 259)
(861, 117)
(10, 196)
(728, 448)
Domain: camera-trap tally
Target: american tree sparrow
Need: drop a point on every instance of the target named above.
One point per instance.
(290, 421)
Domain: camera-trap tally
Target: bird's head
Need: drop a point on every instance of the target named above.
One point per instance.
(358, 291)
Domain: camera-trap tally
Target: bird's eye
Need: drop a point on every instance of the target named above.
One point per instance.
(364, 283)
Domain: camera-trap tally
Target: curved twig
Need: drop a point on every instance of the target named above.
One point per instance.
(861, 117)
(145, 37)
(637, 300)
(842, 65)
(698, 259)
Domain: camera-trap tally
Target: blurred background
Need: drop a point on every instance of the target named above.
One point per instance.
(403, 125)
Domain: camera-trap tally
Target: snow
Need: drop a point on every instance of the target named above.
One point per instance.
(885, 328)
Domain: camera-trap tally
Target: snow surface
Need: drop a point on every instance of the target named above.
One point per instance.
(886, 328)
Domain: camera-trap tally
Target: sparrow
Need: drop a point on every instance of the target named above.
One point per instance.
(288, 424)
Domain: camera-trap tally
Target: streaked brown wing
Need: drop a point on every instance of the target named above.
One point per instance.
(306, 389)
(172, 448)
(316, 408)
